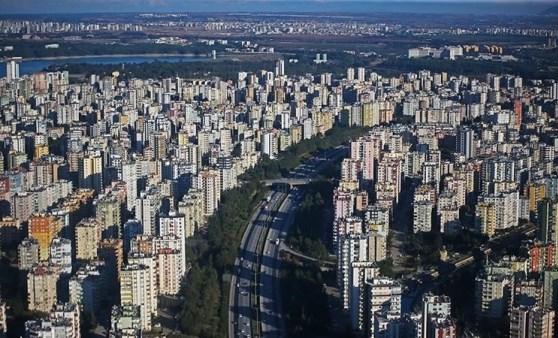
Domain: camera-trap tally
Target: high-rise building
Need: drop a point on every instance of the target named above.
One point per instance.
(441, 326)
(466, 142)
(3, 325)
(492, 294)
(110, 251)
(67, 313)
(547, 218)
(147, 206)
(108, 213)
(63, 322)
(350, 74)
(269, 144)
(377, 245)
(361, 74)
(87, 287)
(131, 228)
(390, 171)
(130, 176)
(208, 183)
(12, 70)
(360, 273)
(44, 228)
(158, 141)
(170, 271)
(536, 192)
(173, 225)
(87, 237)
(226, 172)
(352, 248)
(541, 256)
(280, 68)
(367, 150)
(126, 321)
(485, 218)
(28, 253)
(41, 287)
(90, 168)
(225, 140)
(422, 216)
(137, 289)
(61, 254)
(22, 205)
(506, 208)
(382, 295)
(531, 322)
(433, 308)
(496, 170)
(550, 289)
(192, 208)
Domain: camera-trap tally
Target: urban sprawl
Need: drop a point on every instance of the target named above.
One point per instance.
(103, 183)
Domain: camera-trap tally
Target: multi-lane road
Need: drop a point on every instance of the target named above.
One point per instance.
(271, 314)
(243, 292)
(255, 308)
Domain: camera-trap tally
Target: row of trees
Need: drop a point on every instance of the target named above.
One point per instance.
(34, 49)
(298, 153)
(204, 293)
(204, 313)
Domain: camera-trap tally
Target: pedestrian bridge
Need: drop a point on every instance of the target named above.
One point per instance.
(289, 181)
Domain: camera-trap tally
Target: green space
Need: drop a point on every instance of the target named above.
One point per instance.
(312, 220)
(203, 313)
(386, 268)
(537, 65)
(226, 68)
(424, 247)
(298, 153)
(36, 49)
(305, 304)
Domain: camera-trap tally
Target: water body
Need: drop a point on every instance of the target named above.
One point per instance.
(37, 65)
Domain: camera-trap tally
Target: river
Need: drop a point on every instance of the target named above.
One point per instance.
(31, 66)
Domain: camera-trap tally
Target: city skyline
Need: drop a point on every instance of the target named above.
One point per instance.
(514, 7)
(378, 175)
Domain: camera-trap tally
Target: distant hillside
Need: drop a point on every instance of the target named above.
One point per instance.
(550, 11)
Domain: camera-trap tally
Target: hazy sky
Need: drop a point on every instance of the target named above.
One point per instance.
(90, 6)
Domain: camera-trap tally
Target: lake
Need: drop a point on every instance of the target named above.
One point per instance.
(34, 66)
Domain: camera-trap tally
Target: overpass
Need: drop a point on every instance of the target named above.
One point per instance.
(285, 248)
(289, 181)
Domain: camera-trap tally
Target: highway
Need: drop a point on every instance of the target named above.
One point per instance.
(255, 294)
(272, 322)
(242, 293)
(271, 314)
